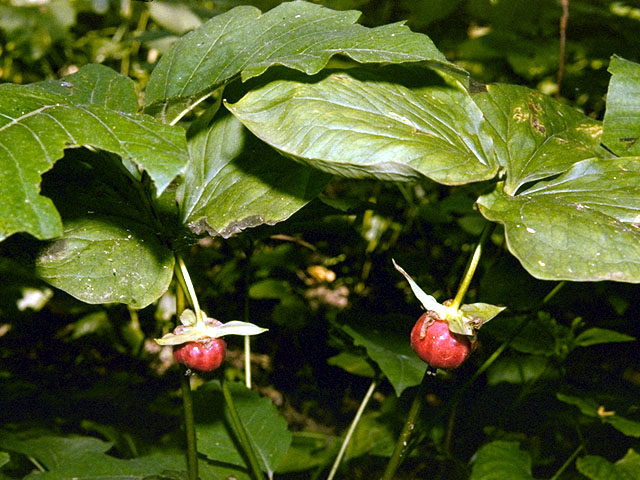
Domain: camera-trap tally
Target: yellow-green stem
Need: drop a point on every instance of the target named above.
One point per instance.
(187, 287)
(472, 265)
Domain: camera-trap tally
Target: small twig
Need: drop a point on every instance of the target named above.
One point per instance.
(564, 20)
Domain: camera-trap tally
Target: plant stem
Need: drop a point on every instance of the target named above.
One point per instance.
(472, 265)
(187, 287)
(247, 361)
(187, 404)
(189, 426)
(352, 428)
(401, 450)
(567, 463)
(242, 433)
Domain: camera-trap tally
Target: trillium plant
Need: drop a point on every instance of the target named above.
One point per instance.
(246, 118)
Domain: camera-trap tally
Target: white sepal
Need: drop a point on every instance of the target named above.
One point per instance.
(428, 302)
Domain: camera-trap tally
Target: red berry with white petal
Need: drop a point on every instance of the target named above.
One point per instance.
(434, 343)
(205, 355)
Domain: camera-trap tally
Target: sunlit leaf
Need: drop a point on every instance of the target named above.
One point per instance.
(372, 129)
(580, 226)
(37, 122)
(622, 117)
(535, 136)
(298, 35)
(233, 182)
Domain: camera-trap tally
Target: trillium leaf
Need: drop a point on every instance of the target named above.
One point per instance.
(234, 182)
(621, 119)
(534, 135)
(580, 226)
(298, 35)
(372, 129)
(109, 250)
(37, 122)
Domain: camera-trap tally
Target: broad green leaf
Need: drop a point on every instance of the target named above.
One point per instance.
(591, 407)
(598, 468)
(309, 450)
(500, 460)
(109, 250)
(596, 336)
(520, 369)
(51, 451)
(538, 335)
(96, 84)
(580, 226)
(233, 182)
(105, 467)
(267, 430)
(352, 363)
(535, 136)
(372, 129)
(392, 353)
(298, 35)
(85, 458)
(621, 120)
(37, 124)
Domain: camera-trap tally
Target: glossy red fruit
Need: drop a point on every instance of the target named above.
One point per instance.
(434, 343)
(204, 355)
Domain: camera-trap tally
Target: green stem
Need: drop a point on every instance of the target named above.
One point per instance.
(242, 433)
(472, 265)
(187, 404)
(187, 287)
(189, 426)
(567, 463)
(352, 428)
(401, 450)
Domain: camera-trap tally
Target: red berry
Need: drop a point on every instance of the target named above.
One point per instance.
(434, 343)
(203, 355)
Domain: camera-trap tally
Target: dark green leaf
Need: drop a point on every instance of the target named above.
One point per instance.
(535, 136)
(621, 120)
(233, 182)
(110, 250)
(501, 460)
(537, 335)
(520, 369)
(392, 353)
(581, 226)
(372, 129)
(4, 459)
(270, 288)
(37, 124)
(596, 336)
(352, 363)
(267, 430)
(298, 35)
(308, 450)
(591, 407)
(598, 468)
